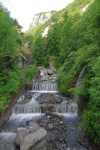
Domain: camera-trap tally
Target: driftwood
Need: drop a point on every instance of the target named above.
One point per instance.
(83, 144)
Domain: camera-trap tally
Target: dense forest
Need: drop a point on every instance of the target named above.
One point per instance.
(72, 42)
(15, 56)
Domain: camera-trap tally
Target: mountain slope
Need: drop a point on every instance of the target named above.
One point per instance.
(39, 20)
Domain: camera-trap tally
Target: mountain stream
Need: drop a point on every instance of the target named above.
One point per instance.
(50, 110)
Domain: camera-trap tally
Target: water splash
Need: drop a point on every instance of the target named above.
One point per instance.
(66, 108)
(81, 75)
(45, 86)
(79, 81)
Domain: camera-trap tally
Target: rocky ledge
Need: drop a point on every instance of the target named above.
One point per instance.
(50, 98)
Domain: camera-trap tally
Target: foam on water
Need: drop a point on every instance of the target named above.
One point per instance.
(7, 135)
(21, 117)
(44, 91)
(68, 115)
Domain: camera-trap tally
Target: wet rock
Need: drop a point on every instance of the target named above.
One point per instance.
(49, 117)
(33, 126)
(60, 139)
(41, 145)
(61, 122)
(50, 126)
(33, 138)
(56, 128)
(65, 140)
(50, 72)
(59, 100)
(50, 98)
(20, 136)
(31, 135)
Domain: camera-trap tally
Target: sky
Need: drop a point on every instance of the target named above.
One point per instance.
(24, 10)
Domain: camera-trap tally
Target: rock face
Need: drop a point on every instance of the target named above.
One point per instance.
(41, 18)
(30, 136)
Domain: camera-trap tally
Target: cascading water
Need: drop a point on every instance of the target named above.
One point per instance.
(81, 75)
(79, 81)
(34, 107)
(81, 103)
(66, 108)
(24, 110)
(30, 107)
(45, 86)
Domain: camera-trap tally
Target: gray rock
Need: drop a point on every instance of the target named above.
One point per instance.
(29, 136)
(50, 126)
(41, 145)
(59, 100)
(50, 72)
(31, 139)
(33, 126)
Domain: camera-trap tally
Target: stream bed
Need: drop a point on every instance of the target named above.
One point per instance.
(53, 112)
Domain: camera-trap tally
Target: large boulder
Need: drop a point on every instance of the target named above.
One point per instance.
(31, 139)
(30, 136)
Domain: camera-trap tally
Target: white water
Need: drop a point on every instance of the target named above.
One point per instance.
(44, 91)
(7, 135)
(33, 100)
(68, 115)
(81, 75)
(48, 86)
(20, 117)
(79, 81)
(29, 109)
(7, 140)
(66, 109)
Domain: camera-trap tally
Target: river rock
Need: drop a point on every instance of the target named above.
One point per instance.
(49, 98)
(50, 72)
(50, 126)
(30, 136)
(33, 138)
(20, 136)
(42, 145)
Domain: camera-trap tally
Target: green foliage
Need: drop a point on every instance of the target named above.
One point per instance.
(91, 118)
(17, 78)
(12, 78)
(8, 45)
(30, 72)
(91, 124)
(81, 91)
(39, 53)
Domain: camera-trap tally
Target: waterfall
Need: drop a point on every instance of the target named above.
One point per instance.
(68, 108)
(45, 86)
(81, 75)
(30, 107)
(7, 140)
(79, 81)
(45, 106)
